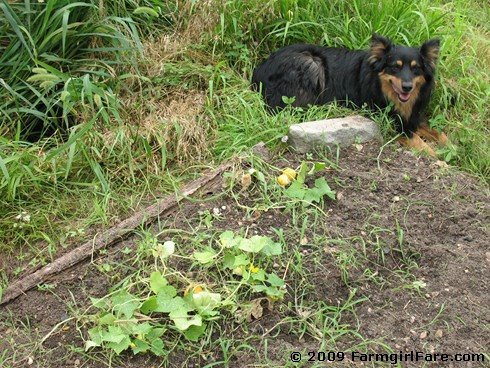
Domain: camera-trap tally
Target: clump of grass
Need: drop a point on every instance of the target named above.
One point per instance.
(63, 65)
(49, 62)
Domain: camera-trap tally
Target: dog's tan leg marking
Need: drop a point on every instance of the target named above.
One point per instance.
(418, 144)
(432, 135)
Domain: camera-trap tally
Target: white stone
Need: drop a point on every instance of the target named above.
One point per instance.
(308, 136)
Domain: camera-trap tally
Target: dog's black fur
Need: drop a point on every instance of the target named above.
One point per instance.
(385, 73)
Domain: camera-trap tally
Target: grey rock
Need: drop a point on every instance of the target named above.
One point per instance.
(306, 137)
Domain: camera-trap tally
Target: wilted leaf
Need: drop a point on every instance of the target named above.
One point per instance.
(246, 181)
(317, 166)
(164, 250)
(205, 302)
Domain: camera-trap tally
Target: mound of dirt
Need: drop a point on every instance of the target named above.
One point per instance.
(417, 234)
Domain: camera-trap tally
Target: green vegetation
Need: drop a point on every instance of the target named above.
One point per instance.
(106, 105)
(128, 321)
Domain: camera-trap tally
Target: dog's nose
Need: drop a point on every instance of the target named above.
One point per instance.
(407, 86)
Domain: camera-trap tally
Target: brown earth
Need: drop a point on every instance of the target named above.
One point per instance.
(431, 294)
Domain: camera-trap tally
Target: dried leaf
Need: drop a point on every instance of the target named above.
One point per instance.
(246, 181)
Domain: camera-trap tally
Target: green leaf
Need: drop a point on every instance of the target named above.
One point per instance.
(258, 276)
(141, 328)
(157, 347)
(320, 189)
(254, 244)
(150, 305)
(228, 240)
(272, 248)
(232, 262)
(164, 250)
(241, 260)
(183, 321)
(90, 344)
(193, 333)
(270, 291)
(275, 280)
(296, 190)
(302, 173)
(124, 303)
(107, 319)
(113, 334)
(260, 176)
(95, 335)
(313, 195)
(140, 346)
(120, 346)
(157, 282)
(101, 303)
(260, 288)
(322, 185)
(228, 260)
(205, 257)
(166, 304)
(288, 100)
(155, 333)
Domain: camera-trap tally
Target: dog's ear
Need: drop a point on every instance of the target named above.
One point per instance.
(380, 46)
(430, 53)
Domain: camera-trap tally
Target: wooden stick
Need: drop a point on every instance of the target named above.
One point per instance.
(109, 236)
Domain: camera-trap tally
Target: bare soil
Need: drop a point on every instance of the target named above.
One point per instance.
(445, 220)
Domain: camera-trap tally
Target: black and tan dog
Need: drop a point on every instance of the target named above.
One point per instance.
(384, 74)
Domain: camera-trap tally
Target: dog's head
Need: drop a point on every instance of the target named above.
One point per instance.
(403, 70)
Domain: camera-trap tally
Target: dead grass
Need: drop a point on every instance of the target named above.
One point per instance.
(173, 119)
(175, 123)
(194, 22)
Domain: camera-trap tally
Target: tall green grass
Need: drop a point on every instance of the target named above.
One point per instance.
(54, 63)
